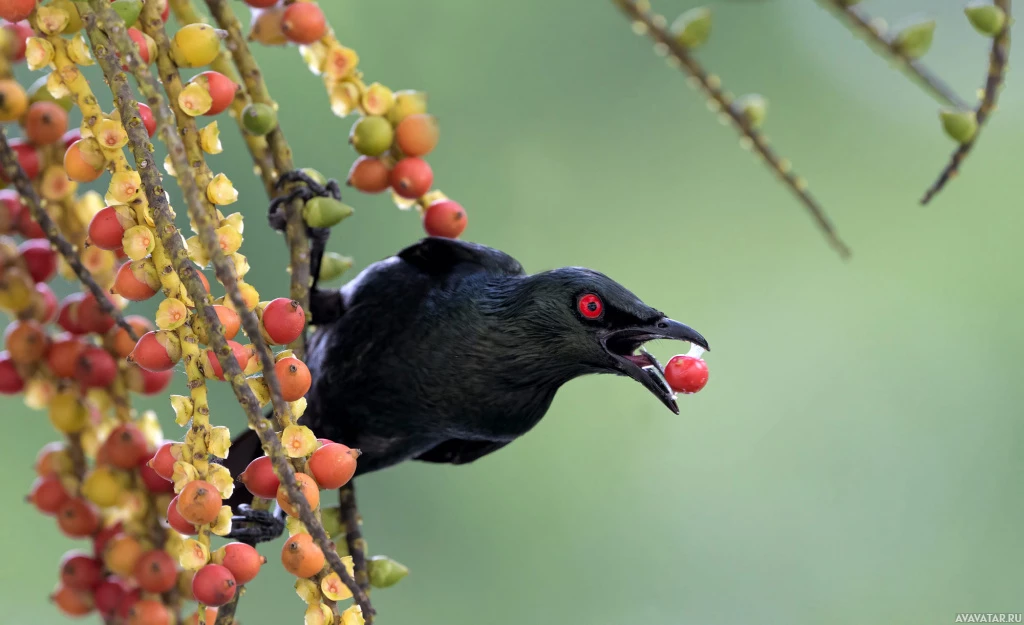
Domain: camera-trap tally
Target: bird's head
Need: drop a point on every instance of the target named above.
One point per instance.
(585, 322)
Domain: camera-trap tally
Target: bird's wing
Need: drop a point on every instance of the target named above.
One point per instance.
(440, 256)
(458, 451)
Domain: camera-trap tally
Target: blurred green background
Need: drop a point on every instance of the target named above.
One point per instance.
(857, 454)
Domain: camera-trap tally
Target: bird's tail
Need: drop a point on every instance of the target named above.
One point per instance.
(244, 449)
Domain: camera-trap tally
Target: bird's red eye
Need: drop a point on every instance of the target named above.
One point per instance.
(590, 306)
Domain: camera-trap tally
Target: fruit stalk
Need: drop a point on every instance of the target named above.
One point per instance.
(13, 171)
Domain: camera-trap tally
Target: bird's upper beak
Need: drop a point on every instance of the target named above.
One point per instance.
(623, 343)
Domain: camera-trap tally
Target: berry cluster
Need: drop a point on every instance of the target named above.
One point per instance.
(394, 132)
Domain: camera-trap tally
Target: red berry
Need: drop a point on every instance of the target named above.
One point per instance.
(128, 601)
(70, 137)
(162, 461)
(102, 537)
(49, 299)
(303, 22)
(16, 10)
(142, 44)
(283, 320)
(19, 34)
(332, 465)
(261, 4)
(72, 602)
(91, 316)
(11, 381)
(67, 315)
(77, 518)
(127, 283)
(686, 374)
(411, 177)
(259, 478)
(126, 446)
(369, 174)
(80, 571)
(444, 219)
(28, 227)
(108, 595)
(95, 368)
(154, 483)
(106, 230)
(154, 351)
(40, 259)
(146, 114)
(156, 571)
(150, 612)
(294, 377)
(222, 90)
(48, 494)
(213, 585)
(178, 522)
(28, 156)
(243, 561)
(45, 122)
(11, 209)
(63, 356)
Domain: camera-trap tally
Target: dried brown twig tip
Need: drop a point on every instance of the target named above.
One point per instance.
(13, 172)
(891, 47)
(690, 31)
(965, 125)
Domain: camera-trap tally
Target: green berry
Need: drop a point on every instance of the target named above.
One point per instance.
(333, 266)
(692, 28)
(915, 39)
(987, 19)
(754, 108)
(259, 118)
(372, 135)
(385, 572)
(128, 10)
(960, 125)
(324, 212)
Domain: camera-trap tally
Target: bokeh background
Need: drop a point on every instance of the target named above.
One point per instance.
(857, 454)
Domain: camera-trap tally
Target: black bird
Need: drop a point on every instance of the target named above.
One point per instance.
(448, 351)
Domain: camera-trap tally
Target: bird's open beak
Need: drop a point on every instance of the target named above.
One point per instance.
(625, 346)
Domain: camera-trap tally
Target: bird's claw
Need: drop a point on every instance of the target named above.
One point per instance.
(255, 526)
(304, 188)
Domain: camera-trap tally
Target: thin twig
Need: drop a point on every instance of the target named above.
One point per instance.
(295, 231)
(13, 171)
(110, 23)
(654, 26)
(353, 535)
(993, 82)
(857, 20)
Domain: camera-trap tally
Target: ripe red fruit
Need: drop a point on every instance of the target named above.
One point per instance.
(77, 167)
(16, 10)
(28, 157)
(444, 219)
(151, 354)
(77, 518)
(47, 458)
(27, 341)
(40, 259)
(411, 177)
(145, 53)
(11, 209)
(178, 522)
(156, 571)
(149, 612)
(11, 381)
(199, 502)
(49, 299)
(67, 316)
(130, 287)
(45, 122)
(128, 601)
(48, 494)
(241, 353)
(261, 4)
(146, 114)
(95, 368)
(105, 230)
(213, 585)
(222, 90)
(91, 317)
(332, 465)
(19, 32)
(243, 561)
(417, 135)
(283, 320)
(369, 174)
(72, 602)
(307, 486)
(294, 377)
(303, 22)
(162, 461)
(108, 595)
(28, 226)
(686, 374)
(80, 571)
(153, 482)
(126, 446)
(259, 478)
(63, 356)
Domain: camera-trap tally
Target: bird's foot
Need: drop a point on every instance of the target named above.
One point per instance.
(305, 188)
(256, 526)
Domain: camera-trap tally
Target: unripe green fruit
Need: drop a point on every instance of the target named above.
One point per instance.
(324, 212)
(385, 572)
(333, 266)
(914, 40)
(692, 28)
(128, 10)
(259, 118)
(960, 125)
(372, 135)
(987, 19)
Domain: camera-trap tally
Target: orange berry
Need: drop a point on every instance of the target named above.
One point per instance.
(77, 167)
(213, 585)
(156, 571)
(16, 10)
(301, 556)
(193, 619)
(369, 175)
(26, 341)
(178, 522)
(150, 612)
(333, 465)
(77, 518)
(242, 560)
(308, 488)
(72, 602)
(136, 281)
(303, 22)
(45, 123)
(444, 219)
(62, 359)
(417, 135)
(122, 553)
(13, 98)
(294, 377)
(259, 478)
(199, 502)
(119, 342)
(48, 494)
(229, 319)
(50, 458)
(126, 446)
(103, 537)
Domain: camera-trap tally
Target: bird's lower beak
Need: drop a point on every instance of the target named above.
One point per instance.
(623, 345)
